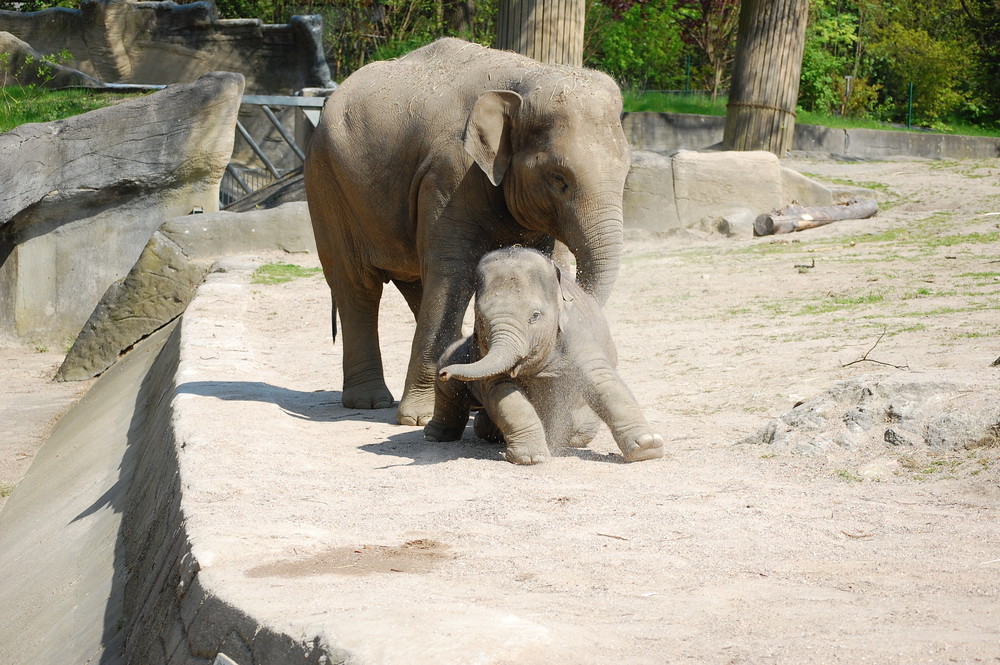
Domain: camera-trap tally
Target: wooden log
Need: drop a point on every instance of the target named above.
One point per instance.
(796, 218)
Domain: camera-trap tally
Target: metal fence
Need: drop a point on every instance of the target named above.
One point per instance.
(244, 177)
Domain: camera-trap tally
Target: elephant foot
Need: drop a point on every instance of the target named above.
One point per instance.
(438, 431)
(415, 411)
(526, 454)
(643, 447)
(486, 429)
(368, 395)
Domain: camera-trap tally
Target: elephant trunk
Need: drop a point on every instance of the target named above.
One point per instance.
(597, 245)
(504, 353)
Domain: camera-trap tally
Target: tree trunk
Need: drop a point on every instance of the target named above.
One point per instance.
(550, 31)
(765, 84)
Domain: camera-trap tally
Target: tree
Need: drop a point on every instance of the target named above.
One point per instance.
(639, 44)
(547, 30)
(762, 99)
(710, 26)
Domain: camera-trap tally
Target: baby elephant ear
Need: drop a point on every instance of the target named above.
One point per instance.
(487, 132)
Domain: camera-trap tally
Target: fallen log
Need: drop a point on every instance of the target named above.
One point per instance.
(797, 218)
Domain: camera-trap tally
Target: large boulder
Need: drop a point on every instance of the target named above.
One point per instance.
(173, 264)
(81, 197)
(714, 190)
(22, 65)
(938, 411)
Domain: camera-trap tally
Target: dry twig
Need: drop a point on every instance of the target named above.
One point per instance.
(865, 357)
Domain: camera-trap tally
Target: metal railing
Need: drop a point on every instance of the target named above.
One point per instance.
(240, 181)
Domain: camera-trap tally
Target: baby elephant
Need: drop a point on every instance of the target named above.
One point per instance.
(540, 362)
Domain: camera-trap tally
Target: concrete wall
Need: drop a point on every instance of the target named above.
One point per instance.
(80, 197)
(674, 131)
(120, 41)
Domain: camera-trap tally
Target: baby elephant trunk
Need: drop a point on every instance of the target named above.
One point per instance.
(502, 358)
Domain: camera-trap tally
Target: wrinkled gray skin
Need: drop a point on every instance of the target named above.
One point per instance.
(540, 358)
(422, 165)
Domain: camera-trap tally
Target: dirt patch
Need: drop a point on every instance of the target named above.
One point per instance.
(414, 556)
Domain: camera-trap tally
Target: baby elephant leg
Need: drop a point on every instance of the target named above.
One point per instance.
(517, 420)
(616, 406)
(485, 428)
(451, 411)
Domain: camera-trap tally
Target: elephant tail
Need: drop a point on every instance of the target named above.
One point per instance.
(333, 316)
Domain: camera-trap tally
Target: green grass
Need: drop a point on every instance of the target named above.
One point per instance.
(6, 489)
(660, 102)
(24, 104)
(279, 273)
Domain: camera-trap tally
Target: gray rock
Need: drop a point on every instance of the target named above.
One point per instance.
(81, 197)
(172, 265)
(797, 188)
(737, 224)
(22, 65)
(945, 410)
(711, 184)
(155, 292)
(648, 203)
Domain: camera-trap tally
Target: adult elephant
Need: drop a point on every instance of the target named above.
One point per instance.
(422, 165)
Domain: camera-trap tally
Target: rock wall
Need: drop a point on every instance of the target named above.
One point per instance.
(674, 131)
(712, 191)
(122, 41)
(81, 197)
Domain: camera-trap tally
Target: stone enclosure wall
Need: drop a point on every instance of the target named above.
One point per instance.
(120, 41)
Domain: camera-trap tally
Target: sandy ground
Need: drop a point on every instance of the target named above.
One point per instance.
(405, 551)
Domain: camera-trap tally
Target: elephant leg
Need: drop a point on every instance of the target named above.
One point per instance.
(413, 293)
(584, 425)
(364, 382)
(439, 323)
(485, 428)
(451, 412)
(614, 403)
(516, 418)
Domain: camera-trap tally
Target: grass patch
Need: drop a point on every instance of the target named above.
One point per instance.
(23, 104)
(838, 302)
(970, 238)
(279, 273)
(6, 489)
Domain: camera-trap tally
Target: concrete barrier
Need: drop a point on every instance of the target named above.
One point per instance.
(674, 131)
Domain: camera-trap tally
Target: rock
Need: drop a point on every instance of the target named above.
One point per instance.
(121, 41)
(737, 224)
(648, 203)
(22, 65)
(287, 228)
(711, 184)
(945, 410)
(81, 197)
(797, 188)
(170, 268)
(155, 292)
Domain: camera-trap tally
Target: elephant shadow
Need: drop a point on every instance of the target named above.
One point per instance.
(411, 445)
(321, 406)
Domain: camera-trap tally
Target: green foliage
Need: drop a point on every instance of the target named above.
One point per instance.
(24, 104)
(934, 67)
(641, 48)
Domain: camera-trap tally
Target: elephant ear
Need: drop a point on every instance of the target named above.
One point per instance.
(487, 132)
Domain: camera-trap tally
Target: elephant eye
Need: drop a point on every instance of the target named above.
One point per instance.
(537, 314)
(558, 182)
